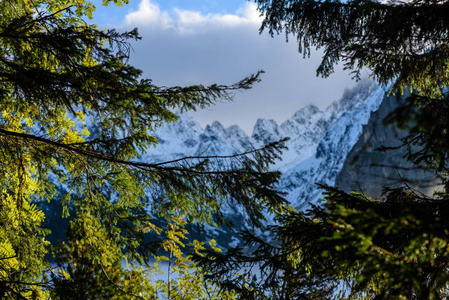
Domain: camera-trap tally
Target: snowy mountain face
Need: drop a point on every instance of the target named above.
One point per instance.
(318, 147)
(319, 141)
(330, 154)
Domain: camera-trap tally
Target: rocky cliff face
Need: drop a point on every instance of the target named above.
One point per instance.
(367, 170)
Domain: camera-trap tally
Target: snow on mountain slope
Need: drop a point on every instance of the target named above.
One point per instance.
(320, 141)
(324, 166)
(309, 125)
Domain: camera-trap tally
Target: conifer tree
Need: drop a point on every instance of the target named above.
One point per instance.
(59, 78)
(355, 247)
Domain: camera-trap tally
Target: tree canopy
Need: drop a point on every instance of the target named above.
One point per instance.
(400, 42)
(355, 247)
(75, 117)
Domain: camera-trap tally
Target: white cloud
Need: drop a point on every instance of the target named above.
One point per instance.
(188, 21)
(184, 47)
(150, 15)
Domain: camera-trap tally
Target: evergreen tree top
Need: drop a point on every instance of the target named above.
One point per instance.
(74, 118)
(400, 42)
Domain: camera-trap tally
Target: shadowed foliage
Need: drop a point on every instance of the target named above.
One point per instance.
(75, 117)
(352, 246)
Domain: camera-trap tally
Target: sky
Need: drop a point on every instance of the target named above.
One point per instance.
(218, 41)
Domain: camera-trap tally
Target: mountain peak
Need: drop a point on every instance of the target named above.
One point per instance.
(306, 113)
(318, 145)
(218, 127)
(266, 131)
(353, 98)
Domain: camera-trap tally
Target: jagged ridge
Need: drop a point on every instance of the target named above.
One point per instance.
(319, 144)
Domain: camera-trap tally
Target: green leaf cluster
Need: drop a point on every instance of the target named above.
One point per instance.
(400, 42)
(352, 246)
(75, 117)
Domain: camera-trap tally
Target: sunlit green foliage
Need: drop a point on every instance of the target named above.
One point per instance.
(169, 274)
(75, 117)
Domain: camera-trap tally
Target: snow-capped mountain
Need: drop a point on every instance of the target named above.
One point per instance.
(331, 152)
(319, 141)
(319, 145)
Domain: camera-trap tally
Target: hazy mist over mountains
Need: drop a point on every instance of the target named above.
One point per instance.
(319, 141)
